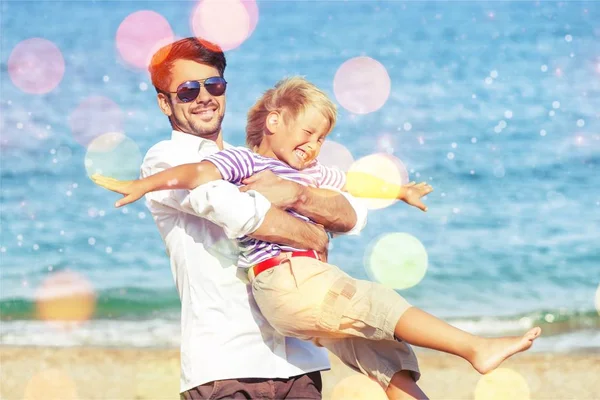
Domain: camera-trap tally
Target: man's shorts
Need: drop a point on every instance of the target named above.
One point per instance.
(307, 386)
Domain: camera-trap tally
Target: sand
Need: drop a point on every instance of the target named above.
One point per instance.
(99, 373)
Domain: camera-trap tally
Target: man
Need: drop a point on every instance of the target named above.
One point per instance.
(227, 348)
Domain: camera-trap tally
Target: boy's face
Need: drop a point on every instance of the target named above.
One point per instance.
(297, 142)
(200, 117)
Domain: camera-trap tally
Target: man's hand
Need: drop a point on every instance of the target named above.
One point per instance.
(131, 190)
(323, 251)
(282, 193)
(414, 192)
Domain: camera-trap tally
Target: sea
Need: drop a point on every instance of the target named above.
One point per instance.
(496, 104)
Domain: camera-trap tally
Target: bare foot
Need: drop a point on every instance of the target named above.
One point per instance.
(493, 351)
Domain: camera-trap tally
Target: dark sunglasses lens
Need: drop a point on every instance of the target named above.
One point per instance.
(188, 91)
(215, 86)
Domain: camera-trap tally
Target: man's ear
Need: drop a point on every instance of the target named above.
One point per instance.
(165, 104)
(273, 119)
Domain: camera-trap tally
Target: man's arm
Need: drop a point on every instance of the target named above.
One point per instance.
(279, 226)
(336, 211)
(326, 207)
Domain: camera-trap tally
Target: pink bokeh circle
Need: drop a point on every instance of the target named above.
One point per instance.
(95, 116)
(36, 66)
(362, 85)
(335, 155)
(141, 34)
(227, 23)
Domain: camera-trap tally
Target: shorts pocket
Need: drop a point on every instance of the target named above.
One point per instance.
(214, 390)
(208, 391)
(336, 303)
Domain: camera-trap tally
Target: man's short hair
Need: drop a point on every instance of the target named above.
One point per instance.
(191, 48)
(290, 97)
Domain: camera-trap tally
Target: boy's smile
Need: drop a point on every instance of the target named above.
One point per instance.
(302, 155)
(296, 141)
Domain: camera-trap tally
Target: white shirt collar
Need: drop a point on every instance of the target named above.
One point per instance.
(196, 141)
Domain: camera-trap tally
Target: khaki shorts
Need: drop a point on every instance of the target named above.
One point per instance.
(354, 319)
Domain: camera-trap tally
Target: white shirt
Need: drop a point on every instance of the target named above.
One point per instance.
(223, 333)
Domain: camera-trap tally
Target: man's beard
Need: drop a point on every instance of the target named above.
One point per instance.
(204, 130)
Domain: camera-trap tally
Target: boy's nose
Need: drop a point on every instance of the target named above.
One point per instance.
(310, 147)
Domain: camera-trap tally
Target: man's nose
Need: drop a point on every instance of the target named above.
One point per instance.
(203, 96)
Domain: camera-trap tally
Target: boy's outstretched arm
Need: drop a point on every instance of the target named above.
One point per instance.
(186, 176)
(360, 184)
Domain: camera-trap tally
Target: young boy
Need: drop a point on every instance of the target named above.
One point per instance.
(296, 290)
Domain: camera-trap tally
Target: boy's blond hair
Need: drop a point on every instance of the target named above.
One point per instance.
(290, 97)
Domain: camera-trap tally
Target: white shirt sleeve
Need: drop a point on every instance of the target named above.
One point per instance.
(361, 215)
(238, 213)
(359, 208)
(220, 202)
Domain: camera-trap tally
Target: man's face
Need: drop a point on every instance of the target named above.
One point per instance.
(200, 117)
(297, 142)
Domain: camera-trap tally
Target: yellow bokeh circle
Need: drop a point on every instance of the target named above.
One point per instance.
(502, 384)
(65, 296)
(51, 384)
(358, 387)
(383, 167)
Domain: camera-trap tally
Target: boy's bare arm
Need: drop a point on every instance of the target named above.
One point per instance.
(186, 176)
(365, 185)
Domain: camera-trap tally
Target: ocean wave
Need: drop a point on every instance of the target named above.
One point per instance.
(117, 303)
(562, 331)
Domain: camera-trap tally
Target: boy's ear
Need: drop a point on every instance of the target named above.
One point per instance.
(164, 104)
(272, 121)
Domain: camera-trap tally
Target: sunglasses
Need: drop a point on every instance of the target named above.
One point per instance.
(189, 90)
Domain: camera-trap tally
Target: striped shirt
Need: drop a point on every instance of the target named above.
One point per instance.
(238, 163)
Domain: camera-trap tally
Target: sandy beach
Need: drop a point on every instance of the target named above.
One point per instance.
(98, 373)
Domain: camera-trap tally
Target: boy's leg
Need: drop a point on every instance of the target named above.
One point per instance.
(419, 328)
(403, 386)
(391, 363)
(304, 297)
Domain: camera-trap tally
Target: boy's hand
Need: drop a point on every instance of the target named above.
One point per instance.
(414, 192)
(131, 190)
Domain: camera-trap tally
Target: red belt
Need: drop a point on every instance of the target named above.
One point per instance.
(275, 261)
